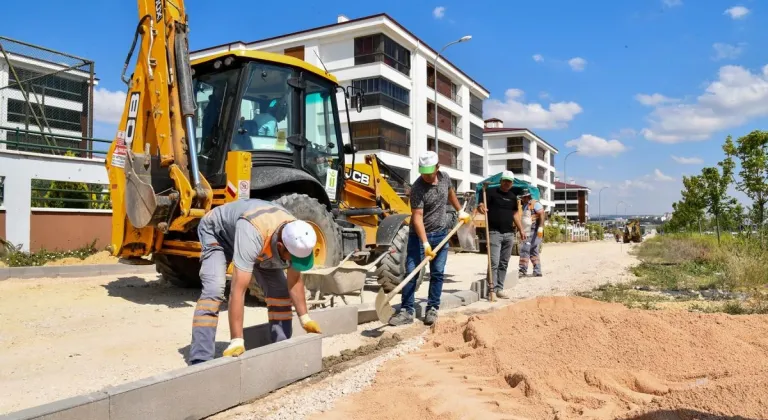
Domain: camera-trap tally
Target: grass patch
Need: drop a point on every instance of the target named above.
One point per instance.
(684, 268)
(16, 258)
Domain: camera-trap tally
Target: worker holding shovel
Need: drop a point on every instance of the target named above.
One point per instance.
(429, 195)
(502, 218)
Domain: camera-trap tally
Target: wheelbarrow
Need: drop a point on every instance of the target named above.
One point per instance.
(345, 279)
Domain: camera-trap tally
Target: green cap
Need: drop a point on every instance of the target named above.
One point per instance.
(303, 264)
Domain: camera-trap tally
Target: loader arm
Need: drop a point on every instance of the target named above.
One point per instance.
(152, 165)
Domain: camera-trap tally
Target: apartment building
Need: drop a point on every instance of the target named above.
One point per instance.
(395, 69)
(45, 95)
(521, 151)
(578, 201)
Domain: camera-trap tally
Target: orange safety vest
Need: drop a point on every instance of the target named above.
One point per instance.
(267, 220)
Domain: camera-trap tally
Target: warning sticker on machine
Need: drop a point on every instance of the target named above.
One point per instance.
(231, 189)
(244, 190)
(331, 178)
(118, 155)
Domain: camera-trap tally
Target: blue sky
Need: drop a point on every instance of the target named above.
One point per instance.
(631, 84)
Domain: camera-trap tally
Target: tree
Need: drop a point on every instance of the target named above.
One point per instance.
(693, 198)
(752, 152)
(715, 184)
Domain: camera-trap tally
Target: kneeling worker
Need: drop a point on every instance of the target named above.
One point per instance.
(262, 238)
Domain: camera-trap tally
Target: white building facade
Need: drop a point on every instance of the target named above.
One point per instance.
(35, 93)
(577, 200)
(521, 151)
(394, 68)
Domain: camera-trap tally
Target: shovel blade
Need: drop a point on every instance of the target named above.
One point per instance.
(383, 309)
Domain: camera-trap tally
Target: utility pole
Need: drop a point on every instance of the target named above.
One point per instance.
(565, 179)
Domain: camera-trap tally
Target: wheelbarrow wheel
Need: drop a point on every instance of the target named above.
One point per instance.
(391, 269)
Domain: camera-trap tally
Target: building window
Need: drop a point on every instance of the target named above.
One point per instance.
(475, 164)
(552, 159)
(447, 155)
(541, 172)
(475, 105)
(543, 191)
(380, 91)
(541, 153)
(475, 134)
(381, 135)
(445, 86)
(519, 166)
(552, 177)
(455, 184)
(445, 119)
(472, 186)
(381, 48)
(560, 195)
(44, 86)
(572, 208)
(518, 145)
(63, 119)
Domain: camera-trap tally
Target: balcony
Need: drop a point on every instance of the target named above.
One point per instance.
(445, 87)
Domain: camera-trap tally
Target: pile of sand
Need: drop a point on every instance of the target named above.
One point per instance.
(564, 358)
(103, 257)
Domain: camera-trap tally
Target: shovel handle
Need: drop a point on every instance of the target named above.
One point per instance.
(423, 263)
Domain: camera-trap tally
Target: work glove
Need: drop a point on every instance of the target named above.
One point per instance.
(309, 325)
(540, 232)
(236, 348)
(464, 217)
(428, 251)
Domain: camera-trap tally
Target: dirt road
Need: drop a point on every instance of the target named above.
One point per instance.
(64, 337)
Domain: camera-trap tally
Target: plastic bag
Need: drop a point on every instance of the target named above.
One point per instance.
(467, 237)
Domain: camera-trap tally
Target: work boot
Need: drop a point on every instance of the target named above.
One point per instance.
(502, 294)
(401, 318)
(430, 317)
(522, 274)
(536, 274)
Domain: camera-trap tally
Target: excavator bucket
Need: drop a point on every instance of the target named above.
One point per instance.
(140, 202)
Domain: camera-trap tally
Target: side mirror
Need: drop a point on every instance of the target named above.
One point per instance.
(349, 149)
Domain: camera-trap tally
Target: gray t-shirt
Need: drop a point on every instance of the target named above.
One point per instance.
(433, 199)
(240, 236)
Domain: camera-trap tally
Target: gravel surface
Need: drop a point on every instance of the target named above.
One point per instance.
(65, 337)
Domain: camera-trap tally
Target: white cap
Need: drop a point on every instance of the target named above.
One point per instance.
(427, 162)
(508, 175)
(299, 238)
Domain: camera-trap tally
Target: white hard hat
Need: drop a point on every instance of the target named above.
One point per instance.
(300, 239)
(508, 175)
(427, 162)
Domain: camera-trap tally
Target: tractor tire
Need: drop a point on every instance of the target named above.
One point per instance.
(391, 269)
(329, 248)
(179, 271)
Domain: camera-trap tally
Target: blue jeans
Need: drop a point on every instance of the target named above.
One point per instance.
(414, 255)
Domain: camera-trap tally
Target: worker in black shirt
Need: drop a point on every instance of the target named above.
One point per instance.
(502, 214)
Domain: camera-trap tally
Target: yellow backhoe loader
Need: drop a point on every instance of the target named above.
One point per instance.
(236, 125)
(632, 232)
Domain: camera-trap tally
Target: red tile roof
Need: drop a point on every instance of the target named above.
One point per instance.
(561, 186)
(350, 21)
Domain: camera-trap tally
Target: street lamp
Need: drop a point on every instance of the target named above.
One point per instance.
(462, 39)
(565, 177)
(599, 211)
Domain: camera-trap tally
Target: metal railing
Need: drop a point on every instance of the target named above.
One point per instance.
(19, 139)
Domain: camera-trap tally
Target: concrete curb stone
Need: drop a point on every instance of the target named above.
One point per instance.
(69, 271)
(467, 297)
(93, 406)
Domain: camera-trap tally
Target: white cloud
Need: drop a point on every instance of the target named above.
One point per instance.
(723, 51)
(516, 113)
(653, 99)
(688, 160)
(672, 3)
(108, 105)
(659, 176)
(737, 12)
(589, 145)
(595, 186)
(538, 58)
(439, 12)
(577, 63)
(735, 98)
(544, 95)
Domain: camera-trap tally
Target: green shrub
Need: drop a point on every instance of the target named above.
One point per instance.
(31, 259)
